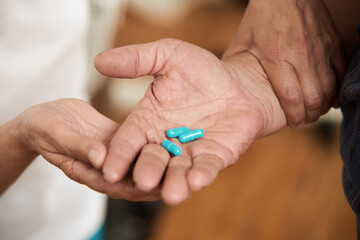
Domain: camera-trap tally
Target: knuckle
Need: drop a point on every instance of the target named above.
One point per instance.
(314, 101)
(278, 52)
(68, 168)
(326, 40)
(291, 96)
(312, 117)
(329, 92)
(303, 49)
(296, 121)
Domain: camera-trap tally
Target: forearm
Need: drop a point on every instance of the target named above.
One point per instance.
(14, 155)
(346, 15)
(268, 17)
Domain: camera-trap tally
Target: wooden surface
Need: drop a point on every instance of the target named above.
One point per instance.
(287, 186)
(209, 26)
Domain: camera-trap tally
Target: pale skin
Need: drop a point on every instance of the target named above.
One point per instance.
(71, 135)
(233, 104)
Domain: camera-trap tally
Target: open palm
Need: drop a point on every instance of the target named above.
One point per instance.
(231, 100)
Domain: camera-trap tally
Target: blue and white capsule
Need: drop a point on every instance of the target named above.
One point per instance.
(192, 135)
(175, 132)
(171, 147)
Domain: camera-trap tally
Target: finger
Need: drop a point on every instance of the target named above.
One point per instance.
(339, 67)
(175, 188)
(91, 177)
(288, 89)
(338, 62)
(329, 86)
(205, 169)
(80, 147)
(123, 149)
(312, 90)
(135, 60)
(150, 167)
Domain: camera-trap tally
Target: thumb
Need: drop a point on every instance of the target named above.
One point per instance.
(136, 60)
(81, 147)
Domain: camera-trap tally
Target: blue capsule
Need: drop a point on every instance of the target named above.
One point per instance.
(192, 135)
(171, 147)
(175, 132)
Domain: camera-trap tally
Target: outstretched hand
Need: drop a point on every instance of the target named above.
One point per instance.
(231, 100)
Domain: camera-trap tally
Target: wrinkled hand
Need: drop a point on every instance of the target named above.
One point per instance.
(231, 100)
(73, 136)
(298, 47)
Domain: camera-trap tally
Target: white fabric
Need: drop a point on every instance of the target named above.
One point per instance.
(42, 58)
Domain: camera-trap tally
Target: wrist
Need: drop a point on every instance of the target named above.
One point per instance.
(15, 156)
(18, 138)
(245, 70)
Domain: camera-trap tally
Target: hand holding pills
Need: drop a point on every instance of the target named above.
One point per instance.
(232, 105)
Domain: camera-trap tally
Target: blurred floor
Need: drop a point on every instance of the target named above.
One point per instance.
(286, 186)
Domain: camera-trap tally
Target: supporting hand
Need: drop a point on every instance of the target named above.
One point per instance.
(73, 136)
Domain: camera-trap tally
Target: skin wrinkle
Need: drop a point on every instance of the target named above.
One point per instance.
(130, 145)
(290, 64)
(90, 126)
(204, 107)
(149, 135)
(217, 162)
(192, 123)
(170, 54)
(225, 149)
(192, 106)
(221, 165)
(153, 96)
(256, 97)
(156, 62)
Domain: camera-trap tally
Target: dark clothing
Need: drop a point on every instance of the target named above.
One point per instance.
(350, 134)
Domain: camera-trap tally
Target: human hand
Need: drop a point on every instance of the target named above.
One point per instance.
(73, 136)
(299, 49)
(231, 100)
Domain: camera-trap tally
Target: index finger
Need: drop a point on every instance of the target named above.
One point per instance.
(123, 149)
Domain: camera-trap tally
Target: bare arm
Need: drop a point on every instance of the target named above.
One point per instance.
(15, 156)
(346, 15)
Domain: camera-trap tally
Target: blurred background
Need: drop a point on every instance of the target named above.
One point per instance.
(286, 186)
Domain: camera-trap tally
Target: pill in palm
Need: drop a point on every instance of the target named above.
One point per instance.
(171, 147)
(175, 132)
(192, 135)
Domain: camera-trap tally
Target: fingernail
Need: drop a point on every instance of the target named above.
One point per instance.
(111, 177)
(94, 158)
